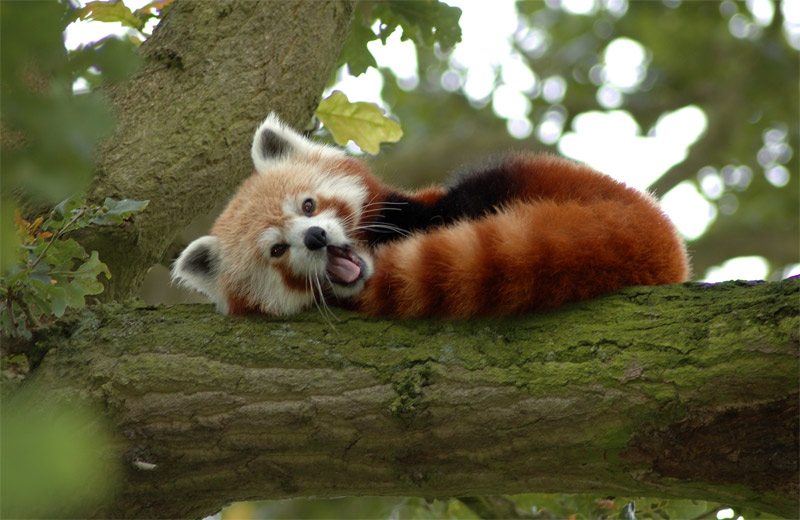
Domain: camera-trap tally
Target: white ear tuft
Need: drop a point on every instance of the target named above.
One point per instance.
(274, 142)
(197, 267)
(271, 143)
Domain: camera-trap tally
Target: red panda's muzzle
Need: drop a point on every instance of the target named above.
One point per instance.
(344, 266)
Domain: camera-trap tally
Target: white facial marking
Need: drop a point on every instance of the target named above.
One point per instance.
(345, 188)
(269, 289)
(268, 238)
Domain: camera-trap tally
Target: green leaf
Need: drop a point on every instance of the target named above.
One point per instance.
(355, 52)
(116, 211)
(155, 9)
(363, 123)
(41, 277)
(426, 22)
(57, 296)
(688, 509)
(92, 268)
(75, 292)
(63, 251)
(64, 208)
(15, 275)
(42, 270)
(114, 11)
(85, 281)
(114, 58)
(155, 5)
(36, 298)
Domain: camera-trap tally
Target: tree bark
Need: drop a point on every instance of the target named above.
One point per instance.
(685, 391)
(213, 71)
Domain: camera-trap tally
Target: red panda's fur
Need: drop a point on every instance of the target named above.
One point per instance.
(526, 233)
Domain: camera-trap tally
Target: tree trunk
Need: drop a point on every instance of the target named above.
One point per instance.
(213, 71)
(685, 391)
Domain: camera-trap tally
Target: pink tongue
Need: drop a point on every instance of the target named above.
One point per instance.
(343, 269)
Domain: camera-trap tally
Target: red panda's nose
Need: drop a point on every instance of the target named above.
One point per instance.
(315, 238)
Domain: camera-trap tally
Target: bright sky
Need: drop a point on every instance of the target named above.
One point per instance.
(488, 71)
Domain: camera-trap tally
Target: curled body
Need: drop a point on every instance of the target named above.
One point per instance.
(522, 233)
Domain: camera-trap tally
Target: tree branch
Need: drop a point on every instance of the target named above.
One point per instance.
(679, 391)
(213, 71)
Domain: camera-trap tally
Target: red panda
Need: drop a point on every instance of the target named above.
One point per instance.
(524, 233)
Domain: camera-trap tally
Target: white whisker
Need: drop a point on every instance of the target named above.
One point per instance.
(381, 202)
(384, 228)
(379, 211)
(322, 306)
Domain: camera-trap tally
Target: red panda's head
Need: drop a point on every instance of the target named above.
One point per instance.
(289, 235)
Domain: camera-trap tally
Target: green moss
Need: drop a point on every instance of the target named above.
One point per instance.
(409, 383)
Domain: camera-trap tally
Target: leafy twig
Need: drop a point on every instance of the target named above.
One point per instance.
(56, 236)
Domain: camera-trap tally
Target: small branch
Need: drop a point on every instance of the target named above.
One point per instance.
(57, 236)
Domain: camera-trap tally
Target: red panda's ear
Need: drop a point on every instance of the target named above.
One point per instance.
(197, 267)
(274, 143)
(270, 143)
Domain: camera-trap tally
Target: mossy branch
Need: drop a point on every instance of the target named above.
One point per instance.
(683, 391)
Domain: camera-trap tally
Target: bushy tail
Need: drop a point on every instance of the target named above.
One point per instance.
(534, 253)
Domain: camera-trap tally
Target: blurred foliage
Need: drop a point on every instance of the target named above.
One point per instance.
(424, 23)
(351, 508)
(49, 134)
(55, 460)
(541, 506)
(117, 11)
(746, 86)
(589, 507)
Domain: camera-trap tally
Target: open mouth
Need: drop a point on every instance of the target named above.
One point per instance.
(344, 266)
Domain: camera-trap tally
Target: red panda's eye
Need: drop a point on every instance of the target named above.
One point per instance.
(308, 207)
(278, 250)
